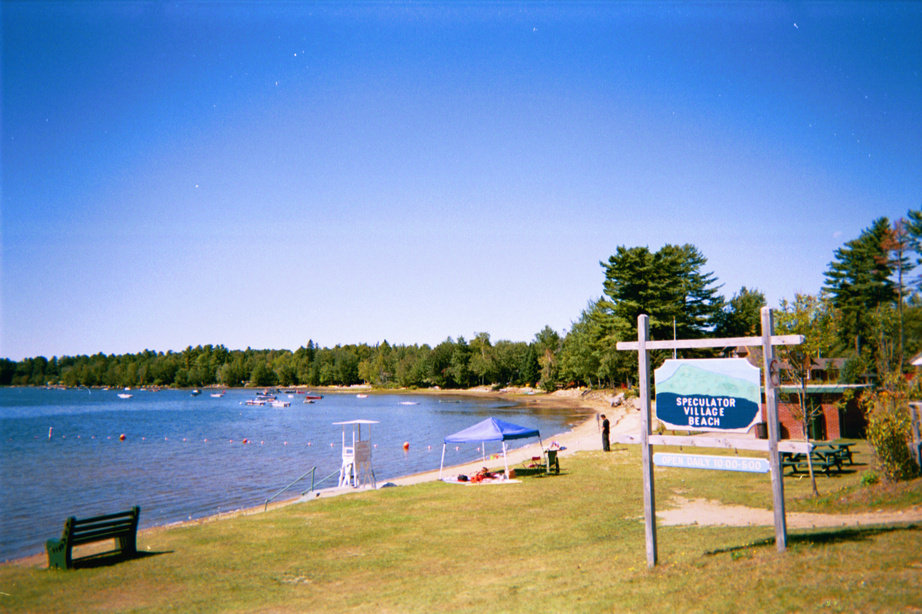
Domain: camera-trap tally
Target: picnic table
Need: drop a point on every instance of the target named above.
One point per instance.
(823, 460)
(840, 449)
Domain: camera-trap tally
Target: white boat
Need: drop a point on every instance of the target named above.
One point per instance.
(361, 396)
(124, 395)
(409, 402)
(217, 395)
(280, 403)
(261, 399)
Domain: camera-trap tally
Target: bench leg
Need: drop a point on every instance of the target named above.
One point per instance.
(127, 544)
(59, 554)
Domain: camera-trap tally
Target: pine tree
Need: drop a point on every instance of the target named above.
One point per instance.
(670, 286)
(859, 279)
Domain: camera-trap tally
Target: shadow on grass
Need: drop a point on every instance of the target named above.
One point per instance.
(833, 536)
(536, 472)
(107, 559)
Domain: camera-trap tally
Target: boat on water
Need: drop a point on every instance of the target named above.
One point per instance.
(312, 396)
(261, 399)
(361, 396)
(196, 392)
(124, 395)
(409, 402)
(217, 395)
(280, 404)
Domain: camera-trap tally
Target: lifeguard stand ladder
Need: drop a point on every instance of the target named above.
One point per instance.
(356, 470)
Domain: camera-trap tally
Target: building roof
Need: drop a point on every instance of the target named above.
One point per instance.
(823, 388)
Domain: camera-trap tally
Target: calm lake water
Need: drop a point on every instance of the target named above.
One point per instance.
(183, 456)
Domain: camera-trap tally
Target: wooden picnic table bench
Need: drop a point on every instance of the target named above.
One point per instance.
(842, 449)
(122, 527)
(823, 460)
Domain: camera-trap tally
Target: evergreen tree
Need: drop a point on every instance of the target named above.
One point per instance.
(742, 316)
(670, 286)
(858, 280)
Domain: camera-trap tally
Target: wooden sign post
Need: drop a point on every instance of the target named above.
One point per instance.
(643, 346)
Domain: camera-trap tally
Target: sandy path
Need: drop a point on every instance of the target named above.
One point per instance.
(702, 512)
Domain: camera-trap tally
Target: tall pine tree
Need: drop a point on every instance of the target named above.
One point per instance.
(859, 279)
(669, 285)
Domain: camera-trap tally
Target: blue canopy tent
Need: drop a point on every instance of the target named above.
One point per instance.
(490, 429)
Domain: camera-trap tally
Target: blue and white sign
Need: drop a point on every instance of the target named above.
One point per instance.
(708, 394)
(720, 463)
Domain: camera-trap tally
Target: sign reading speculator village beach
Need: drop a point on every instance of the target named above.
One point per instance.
(709, 394)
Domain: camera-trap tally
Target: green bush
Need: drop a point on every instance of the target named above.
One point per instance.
(889, 431)
(869, 478)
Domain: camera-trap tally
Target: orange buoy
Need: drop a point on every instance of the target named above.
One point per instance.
(406, 446)
(121, 437)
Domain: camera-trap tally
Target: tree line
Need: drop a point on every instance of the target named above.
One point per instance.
(869, 312)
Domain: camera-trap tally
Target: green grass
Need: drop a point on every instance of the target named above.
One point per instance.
(571, 543)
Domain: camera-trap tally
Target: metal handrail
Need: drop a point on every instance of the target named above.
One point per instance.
(311, 472)
(311, 489)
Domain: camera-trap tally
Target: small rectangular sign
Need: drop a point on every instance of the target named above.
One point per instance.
(720, 463)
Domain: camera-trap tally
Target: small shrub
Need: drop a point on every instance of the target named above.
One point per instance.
(889, 431)
(869, 478)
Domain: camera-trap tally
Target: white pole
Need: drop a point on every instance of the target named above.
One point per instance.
(771, 409)
(442, 464)
(649, 500)
(505, 462)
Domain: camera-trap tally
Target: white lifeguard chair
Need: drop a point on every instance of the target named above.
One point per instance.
(356, 469)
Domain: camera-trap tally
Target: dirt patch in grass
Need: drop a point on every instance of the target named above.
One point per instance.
(713, 513)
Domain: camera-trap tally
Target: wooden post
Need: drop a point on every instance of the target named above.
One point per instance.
(649, 501)
(771, 410)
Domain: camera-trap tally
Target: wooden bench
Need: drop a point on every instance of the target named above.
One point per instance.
(122, 527)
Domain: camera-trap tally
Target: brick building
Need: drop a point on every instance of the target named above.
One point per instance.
(832, 420)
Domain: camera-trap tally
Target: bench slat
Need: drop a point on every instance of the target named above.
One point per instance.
(106, 517)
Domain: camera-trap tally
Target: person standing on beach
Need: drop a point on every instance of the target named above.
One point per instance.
(606, 427)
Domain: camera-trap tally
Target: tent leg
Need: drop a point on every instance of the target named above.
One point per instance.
(505, 460)
(442, 464)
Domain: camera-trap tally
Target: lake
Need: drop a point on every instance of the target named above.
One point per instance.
(185, 457)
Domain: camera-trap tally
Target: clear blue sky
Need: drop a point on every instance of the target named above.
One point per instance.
(260, 174)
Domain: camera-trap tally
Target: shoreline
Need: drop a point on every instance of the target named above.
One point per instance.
(584, 436)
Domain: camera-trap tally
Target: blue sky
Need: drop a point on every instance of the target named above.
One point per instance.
(261, 174)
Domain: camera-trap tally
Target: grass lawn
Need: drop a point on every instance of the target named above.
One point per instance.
(567, 543)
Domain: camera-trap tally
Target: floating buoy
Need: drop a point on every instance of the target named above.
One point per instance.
(308, 444)
(245, 441)
(121, 437)
(406, 446)
(428, 447)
